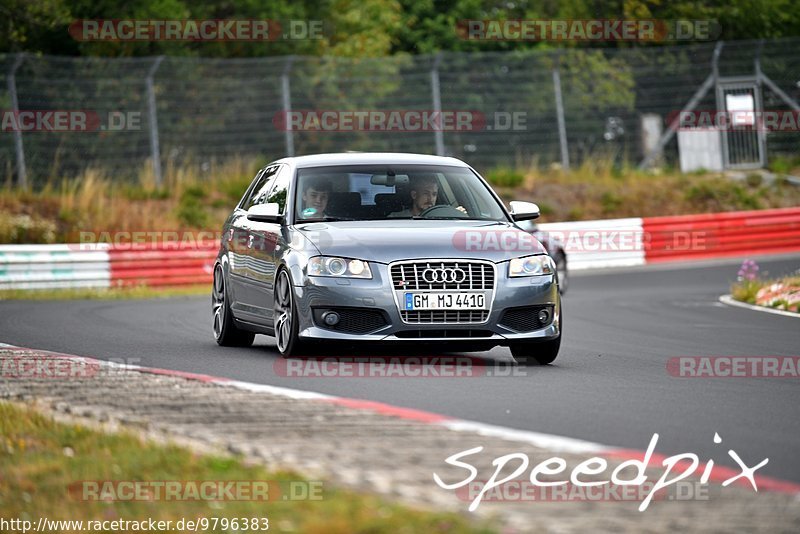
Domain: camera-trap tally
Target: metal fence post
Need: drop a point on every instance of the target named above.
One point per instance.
(562, 127)
(155, 150)
(286, 93)
(22, 173)
(437, 105)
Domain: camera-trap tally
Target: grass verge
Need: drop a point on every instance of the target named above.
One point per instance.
(600, 190)
(40, 459)
(112, 293)
(193, 199)
(778, 293)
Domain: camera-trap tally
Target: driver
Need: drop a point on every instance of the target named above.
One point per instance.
(316, 192)
(424, 191)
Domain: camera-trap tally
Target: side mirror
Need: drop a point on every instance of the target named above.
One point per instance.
(523, 211)
(265, 213)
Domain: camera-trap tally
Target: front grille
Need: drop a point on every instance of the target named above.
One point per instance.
(464, 275)
(525, 319)
(353, 320)
(411, 334)
(444, 316)
(409, 276)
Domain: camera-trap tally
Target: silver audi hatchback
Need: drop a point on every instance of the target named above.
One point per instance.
(383, 248)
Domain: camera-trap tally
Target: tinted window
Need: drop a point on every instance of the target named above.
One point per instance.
(280, 189)
(375, 192)
(261, 185)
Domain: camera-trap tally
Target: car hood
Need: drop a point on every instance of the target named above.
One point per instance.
(401, 239)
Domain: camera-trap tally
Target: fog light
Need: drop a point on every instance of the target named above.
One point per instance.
(544, 316)
(331, 318)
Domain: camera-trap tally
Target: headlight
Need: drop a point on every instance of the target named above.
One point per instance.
(531, 266)
(338, 267)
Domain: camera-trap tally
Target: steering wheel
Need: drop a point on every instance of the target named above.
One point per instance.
(442, 210)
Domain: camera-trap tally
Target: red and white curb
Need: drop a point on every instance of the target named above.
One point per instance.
(550, 442)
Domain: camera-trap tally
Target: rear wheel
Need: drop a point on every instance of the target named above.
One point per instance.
(226, 332)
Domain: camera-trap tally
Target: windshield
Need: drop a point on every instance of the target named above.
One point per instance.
(393, 192)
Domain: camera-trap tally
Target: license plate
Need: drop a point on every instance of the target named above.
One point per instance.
(445, 301)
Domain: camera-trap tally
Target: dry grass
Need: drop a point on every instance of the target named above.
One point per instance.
(192, 199)
(40, 459)
(599, 190)
(95, 202)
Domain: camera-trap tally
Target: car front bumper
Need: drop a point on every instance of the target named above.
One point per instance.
(376, 295)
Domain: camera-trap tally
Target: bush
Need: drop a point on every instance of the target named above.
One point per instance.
(191, 210)
(505, 177)
(22, 229)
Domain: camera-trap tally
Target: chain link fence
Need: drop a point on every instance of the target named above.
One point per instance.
(539, 107)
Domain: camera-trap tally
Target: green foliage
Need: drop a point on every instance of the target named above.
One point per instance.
(366, 28)
(722, 195)
(505, 177)
(784, 164)
(611, 202)
(191, 210)
(745, 290)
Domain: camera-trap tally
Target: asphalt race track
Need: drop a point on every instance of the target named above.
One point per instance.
(609, 384)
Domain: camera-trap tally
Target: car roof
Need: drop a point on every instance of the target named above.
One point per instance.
(367, 158)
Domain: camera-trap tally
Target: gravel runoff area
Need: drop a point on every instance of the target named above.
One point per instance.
(364, 450)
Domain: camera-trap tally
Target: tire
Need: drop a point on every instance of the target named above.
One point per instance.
(563, 274)
(285, 318)
(226, 333)
(538, 353)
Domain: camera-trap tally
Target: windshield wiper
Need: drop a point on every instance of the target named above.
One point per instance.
(451, 218)
(327, 218)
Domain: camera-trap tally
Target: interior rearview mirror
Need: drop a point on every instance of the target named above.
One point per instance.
(389, 180)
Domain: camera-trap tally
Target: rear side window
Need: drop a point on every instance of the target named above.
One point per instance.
(261, 185)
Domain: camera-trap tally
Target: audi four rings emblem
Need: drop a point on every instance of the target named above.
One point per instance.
(439, 275)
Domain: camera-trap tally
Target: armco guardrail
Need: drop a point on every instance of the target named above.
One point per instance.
(589, 245)
(103, 265)
(604, 243)
(639, 241)
(53, 266)
(168, 264)
(717, 235)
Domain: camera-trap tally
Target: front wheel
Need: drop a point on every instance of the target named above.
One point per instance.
(285, 317)
(226, 332)
(536, 353)
(563, 275)
(539, 353)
